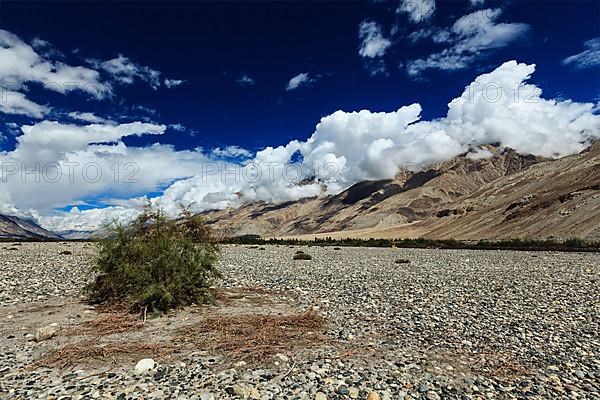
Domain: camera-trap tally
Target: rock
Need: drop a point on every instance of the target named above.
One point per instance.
(30, 337)
(207, 396)
(320, 396)
(46, 332)
(240, 391)
(254, 394)
(282, 357)
(431, 395)
(160, 374)
(571, 388)
(353, 393)
(373, 396)
(343, 390)
(145, 365)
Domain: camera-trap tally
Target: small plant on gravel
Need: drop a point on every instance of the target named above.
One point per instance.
(402, 261)
(156, 263)
(300, 255)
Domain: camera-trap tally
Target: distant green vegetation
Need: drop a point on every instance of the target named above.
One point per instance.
(300, 255)
(573, 244)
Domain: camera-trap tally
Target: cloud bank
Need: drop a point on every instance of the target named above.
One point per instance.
(346, 147)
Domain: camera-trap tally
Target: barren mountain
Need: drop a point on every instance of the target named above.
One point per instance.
(504, 196)
(17, 228)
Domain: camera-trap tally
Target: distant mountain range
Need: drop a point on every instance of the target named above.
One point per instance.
(507, 195)
(19, 228)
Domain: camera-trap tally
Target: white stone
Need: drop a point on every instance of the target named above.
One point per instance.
(145, 365)
(46, 332)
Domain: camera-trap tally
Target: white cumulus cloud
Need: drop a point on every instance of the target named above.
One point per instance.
(345, 148)
(373, 43)
(417, 10)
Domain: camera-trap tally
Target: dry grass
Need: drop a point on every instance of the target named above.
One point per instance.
(110, 321)
(254, 337)
(253, 295)
(83, 352)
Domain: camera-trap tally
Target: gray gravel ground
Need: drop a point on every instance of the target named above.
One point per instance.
(450, 324)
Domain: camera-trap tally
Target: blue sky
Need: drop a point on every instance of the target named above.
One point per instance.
(254, 75)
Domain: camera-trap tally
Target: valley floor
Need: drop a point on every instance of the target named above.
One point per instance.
(448, 324)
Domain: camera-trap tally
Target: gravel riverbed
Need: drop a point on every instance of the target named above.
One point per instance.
(450, 324)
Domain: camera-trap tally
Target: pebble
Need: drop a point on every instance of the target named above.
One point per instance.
(46, 332)
(145, 365)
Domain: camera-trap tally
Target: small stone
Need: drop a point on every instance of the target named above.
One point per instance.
(160, 374)
(431, 395)
(571, 388)
(320, 396)
(373, 396)
(423, 388)
(46, 332)
(207, 396)
(343, 390)
(30, 337)
(240, 391)
(282, 357)
(145, 365)
(353, 393)
(254, 394)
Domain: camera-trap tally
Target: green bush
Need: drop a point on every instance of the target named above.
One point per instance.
(156, 263)
(300, 255)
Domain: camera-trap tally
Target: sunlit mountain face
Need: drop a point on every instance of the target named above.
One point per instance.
(106, 107)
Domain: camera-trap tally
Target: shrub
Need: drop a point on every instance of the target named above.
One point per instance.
(300, 255)
(156, 262)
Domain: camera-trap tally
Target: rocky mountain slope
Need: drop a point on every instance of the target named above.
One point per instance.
(18, 228)
(504, 196)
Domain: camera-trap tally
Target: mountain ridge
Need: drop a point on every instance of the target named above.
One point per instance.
(16, 228)
(446, 200)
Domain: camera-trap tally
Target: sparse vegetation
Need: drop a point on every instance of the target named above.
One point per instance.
(300, 255)
(254, 337)
(573, 244)
(156, 263)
